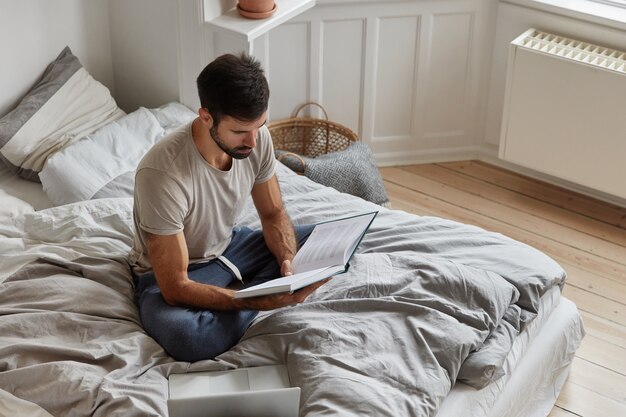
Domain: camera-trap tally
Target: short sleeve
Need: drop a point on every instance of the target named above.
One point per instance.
(161, 203)
(267, 165)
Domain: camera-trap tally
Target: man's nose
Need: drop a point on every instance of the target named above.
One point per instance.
(250, 139)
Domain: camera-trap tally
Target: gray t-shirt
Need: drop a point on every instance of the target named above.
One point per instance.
(176, 190)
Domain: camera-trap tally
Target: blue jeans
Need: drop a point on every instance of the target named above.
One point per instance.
(190, 334)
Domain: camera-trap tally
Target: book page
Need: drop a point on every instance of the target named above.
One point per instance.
(289, 283)
(331, 243)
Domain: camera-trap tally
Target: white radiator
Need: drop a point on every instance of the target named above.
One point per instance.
(565, 110)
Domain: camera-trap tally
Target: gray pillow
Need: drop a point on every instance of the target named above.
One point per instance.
(351, 171)
(65, 105)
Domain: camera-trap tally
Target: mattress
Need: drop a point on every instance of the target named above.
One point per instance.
(547, 365)
(542, 352)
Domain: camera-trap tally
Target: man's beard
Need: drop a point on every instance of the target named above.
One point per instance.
(233, 152)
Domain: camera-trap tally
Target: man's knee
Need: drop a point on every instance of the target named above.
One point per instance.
(193, 335)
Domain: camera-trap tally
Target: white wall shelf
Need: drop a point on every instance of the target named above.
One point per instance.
(249, 29)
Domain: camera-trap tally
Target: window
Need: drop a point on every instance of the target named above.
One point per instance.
(606, 12)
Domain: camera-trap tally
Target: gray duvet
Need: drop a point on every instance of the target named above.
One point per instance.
(426, 301)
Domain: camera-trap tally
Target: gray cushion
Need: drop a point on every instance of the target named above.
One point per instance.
(351, 171)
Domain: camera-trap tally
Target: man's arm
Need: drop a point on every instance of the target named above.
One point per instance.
(277, 227)
(170, 258)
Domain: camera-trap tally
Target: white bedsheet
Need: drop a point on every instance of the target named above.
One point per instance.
(18, 195)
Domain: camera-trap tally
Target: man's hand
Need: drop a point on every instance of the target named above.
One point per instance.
(273, 301)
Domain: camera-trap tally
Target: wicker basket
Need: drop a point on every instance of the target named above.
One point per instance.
(308, 136)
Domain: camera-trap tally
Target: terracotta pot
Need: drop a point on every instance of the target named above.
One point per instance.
(256, 6)
(256, 9)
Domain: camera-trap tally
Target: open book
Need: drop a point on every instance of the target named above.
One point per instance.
(326, 252)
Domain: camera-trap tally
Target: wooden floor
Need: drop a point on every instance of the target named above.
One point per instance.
(587, 237)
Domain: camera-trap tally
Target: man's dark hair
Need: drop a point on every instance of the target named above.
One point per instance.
(235, 86)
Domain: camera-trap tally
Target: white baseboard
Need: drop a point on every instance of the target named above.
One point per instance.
(429, 156)
(489, 155)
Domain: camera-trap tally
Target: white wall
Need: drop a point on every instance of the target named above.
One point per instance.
(33, 33)
(145, 50)
(129, 46)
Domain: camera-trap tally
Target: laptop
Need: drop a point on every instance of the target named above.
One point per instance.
(262, 391)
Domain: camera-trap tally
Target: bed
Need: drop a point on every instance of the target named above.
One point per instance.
(434, 317)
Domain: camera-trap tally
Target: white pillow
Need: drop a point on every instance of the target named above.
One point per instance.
(79, 171)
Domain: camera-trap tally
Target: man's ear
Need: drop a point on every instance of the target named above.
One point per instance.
(205, 117)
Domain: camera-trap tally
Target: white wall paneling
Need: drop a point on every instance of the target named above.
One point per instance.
(342, 64)
(448, 69)
(395, 81)
(404, 75)
(288, 67)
